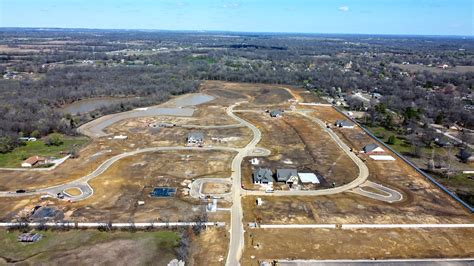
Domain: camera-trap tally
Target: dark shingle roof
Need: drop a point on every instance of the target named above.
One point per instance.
(284, 174)
(264, 175)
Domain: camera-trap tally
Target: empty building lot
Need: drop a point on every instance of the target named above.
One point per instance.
(297, 142)
(305, 244)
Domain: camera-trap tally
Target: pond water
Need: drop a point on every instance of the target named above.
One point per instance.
(89, 105)
(173, 108)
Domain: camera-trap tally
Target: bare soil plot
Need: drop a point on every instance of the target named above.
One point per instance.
(141, 135)
(348, 208)
(210, 247)
(215, 188)
(297, 142)
(258, 95)
(73, 191)
(118, 190)
(416, 189)
(272, 244)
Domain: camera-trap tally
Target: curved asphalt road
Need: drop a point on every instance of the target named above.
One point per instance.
(82, 183)
(361, 178)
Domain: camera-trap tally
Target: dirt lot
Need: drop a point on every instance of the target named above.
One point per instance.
(210, 248)
(420, 195)
(297, 142)
(348, 208)
(90, 247)
(258, 95)
(141, 135)
(117, 191)
(356, 244)
(215, 188)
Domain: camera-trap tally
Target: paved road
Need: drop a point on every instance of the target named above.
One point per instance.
(211, 127)
(360, 179)
(408, 262)
(452, 137)
(363, 226)
(236, 226)
(386, 194)
(82, 183)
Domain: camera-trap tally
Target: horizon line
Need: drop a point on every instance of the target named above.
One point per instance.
(237, 32)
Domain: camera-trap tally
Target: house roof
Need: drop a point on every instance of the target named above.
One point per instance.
(308, 178)
(262, 175)
(34, 159)
(285, 174)
(196, 135)
(275, 112)
(370, 147)
(344, 123)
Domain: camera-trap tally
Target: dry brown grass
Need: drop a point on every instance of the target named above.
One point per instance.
(356, 244)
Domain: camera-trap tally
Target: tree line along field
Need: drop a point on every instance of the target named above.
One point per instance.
(27, 149)
(43, 70)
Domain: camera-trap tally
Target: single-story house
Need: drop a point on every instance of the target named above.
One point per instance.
(29, 237)
(120, 137)
(195, 138)
(344, 124)
(276, 113)
(308, 178)
(287, 175)
(32, 161)
(262, 176)
(442, 142)
(465, 156)
(372, 149)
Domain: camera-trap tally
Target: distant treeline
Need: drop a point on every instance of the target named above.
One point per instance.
(30, 106)
(159, 64)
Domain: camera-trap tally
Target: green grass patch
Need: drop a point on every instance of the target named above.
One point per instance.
(54, 242)
(31, 148)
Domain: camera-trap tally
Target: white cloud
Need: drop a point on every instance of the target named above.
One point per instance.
(344, 8)
(231, 5)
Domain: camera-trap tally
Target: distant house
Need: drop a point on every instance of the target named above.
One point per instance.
(465, 156)
(32, 161)
(288, 176)
(372, 149)
(442, 142)
(344, 124)
(262, 176)
(29, 237)
(276, 113)
(121, 137)
(308, 178)
(195, 138)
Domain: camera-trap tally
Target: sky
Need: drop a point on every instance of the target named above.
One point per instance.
(413, 17)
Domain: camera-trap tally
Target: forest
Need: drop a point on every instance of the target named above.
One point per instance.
(43, 70)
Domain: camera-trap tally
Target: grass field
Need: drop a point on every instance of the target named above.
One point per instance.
(31, 148)
(83, 246)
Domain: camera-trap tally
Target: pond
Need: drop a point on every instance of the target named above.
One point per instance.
(173, 107)
(89, 105)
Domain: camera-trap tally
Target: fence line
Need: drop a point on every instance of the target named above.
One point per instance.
(110, 225)
(439, 185)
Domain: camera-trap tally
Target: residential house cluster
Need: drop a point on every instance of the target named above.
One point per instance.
(265, 176)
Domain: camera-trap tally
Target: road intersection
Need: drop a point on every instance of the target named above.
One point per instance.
(236, 224)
